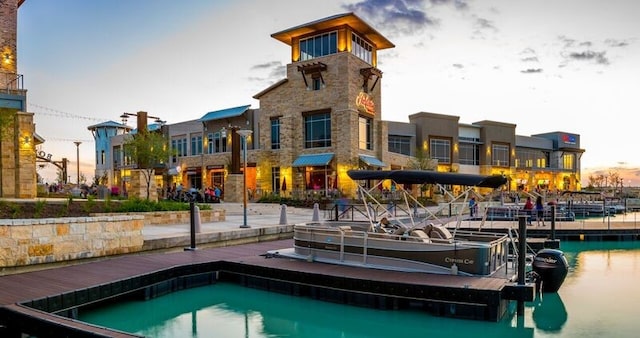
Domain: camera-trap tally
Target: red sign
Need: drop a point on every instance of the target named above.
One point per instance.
(365, 103)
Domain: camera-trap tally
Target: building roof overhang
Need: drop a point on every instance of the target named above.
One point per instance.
(348, 19)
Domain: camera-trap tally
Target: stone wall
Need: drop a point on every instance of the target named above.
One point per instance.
(173, 217)
(49, 240)
(36, 241)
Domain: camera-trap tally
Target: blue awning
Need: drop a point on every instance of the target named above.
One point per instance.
(224, 113)
(313, 160)
(372, 161)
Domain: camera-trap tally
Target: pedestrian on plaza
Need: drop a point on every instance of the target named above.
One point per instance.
(472, 207)
(528, 209)
(216, 194)
(539, 210)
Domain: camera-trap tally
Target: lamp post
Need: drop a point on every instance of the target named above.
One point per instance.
(77, 143)
(244, 133)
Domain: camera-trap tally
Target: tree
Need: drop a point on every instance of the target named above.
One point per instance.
(422, 161)
(148, 150)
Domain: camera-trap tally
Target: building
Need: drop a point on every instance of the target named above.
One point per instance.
(18, 139)
(324, 118)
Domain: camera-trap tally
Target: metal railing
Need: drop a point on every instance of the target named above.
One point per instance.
(12, 83)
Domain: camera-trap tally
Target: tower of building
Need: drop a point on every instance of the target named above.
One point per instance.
(327, 110)
(17, 151)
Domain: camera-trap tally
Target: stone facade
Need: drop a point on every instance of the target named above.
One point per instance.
(18, 158)
(138, 187)
(8, 36)
(291, 100)
(28, 242)
(49, 240)
(17, 153)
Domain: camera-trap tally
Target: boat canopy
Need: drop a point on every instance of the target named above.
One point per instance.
(429, 177)
(581, 192)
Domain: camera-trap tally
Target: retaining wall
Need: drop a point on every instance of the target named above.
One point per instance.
(49, 240)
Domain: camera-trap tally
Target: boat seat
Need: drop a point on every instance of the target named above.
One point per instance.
(439, 231)
(421, 235)
(399, 231)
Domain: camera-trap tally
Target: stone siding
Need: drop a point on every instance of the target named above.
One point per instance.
(49, 240)
(172, 217)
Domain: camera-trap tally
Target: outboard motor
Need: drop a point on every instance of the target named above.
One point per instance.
(552, 267)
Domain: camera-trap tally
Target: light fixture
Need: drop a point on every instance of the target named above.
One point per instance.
(26, 140)
(6, 57)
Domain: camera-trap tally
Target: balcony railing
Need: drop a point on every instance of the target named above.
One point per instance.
(12, 83)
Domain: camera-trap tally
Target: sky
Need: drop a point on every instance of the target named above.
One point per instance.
(570, 66)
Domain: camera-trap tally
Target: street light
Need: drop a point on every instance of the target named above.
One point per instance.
(141, 118)
(244, 133)
(77, 143)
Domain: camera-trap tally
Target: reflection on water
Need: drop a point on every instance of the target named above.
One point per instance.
(549, 313)
(596, 300)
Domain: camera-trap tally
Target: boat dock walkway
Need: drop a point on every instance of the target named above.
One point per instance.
(42, 301)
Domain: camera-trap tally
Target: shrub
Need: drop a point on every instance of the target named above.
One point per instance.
(39, 208)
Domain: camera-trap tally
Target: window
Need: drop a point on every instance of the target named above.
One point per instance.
(316, 83)
(196, 145)
(103, 157)
(317, 130)
(568, 161)
(400, 144)
(179, 147)
(530, 158)
(361, 48)
(365, 133)
(275, 179)
(500, 155)
(275, 133)
(217, 142)
(441, 150)
(117, 156)
(319, 45)
(470, 153)
(127, 159)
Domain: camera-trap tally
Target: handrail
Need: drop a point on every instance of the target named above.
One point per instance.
(10, 79)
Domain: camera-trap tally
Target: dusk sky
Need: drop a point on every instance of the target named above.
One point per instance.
(547, 65)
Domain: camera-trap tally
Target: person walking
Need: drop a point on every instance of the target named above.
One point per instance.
(539, 210)
(528, 208)
(472, 207)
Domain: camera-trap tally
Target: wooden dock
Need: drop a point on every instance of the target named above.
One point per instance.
(44, 302)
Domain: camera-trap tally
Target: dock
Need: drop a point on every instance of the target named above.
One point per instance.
(45, 301)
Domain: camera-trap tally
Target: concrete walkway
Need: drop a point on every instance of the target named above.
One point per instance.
(262, 219)
(267, 220)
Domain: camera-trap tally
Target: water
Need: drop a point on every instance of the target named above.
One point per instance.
(598, 299)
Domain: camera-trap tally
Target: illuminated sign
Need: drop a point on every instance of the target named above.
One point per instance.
(365, 103)
(569, 139)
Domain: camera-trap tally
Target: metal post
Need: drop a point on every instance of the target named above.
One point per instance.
(553, 222)
(522, 253)
(192, 221)
(244, 134)
(77, 143)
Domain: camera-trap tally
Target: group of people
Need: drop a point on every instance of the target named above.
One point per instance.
(529, 206)
(209, 195)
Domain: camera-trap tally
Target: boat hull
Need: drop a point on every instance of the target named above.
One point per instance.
(344, 245)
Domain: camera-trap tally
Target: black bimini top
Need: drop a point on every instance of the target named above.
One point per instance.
(581, 192)
(429, 177)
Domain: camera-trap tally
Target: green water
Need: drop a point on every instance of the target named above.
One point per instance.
(599, 298)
